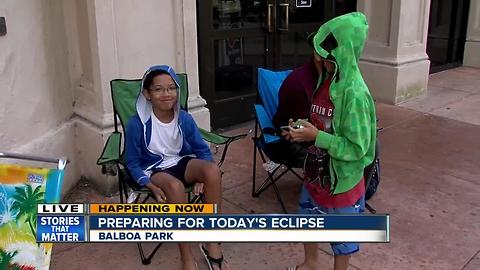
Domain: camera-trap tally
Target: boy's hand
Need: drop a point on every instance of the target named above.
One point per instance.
(198, 188)
(158, 193)
(306, 134)
(286, 135)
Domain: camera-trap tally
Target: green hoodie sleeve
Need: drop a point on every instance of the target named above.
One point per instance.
(354, 141)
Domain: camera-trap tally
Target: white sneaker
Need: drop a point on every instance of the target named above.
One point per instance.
(131, 197)
(270, 166)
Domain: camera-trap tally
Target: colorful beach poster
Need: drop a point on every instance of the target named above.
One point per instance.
(21, 189)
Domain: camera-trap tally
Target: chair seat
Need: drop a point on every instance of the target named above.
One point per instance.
(283, 152)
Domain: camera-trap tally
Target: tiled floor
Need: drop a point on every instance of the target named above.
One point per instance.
(453, 94)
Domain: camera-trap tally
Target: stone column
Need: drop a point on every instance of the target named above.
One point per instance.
(121, 39)
(472, 46)
(186, 13)
(394, 63)
(93, 62)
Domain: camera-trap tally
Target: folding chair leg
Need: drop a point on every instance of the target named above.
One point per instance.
(277, 193)
(146, 198)
(224, 153)
(147, 260)
(271, 181)
(120, 189)
(296, 174)
(256, 192)
(195, 199)
(254, 164)
(370, 208)
(123, 190)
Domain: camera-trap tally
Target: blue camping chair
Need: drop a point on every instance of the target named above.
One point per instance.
(269, 83)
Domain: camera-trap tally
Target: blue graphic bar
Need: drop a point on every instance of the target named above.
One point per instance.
(235, 222)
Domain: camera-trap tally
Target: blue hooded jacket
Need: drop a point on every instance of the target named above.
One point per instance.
(138, 157)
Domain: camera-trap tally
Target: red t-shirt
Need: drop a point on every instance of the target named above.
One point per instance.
(321, 114)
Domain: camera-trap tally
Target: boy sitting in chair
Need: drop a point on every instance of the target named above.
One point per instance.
(164, 151)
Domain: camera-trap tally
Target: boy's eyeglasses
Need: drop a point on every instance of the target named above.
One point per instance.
(162, 90)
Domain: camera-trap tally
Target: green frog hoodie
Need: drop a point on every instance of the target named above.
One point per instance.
(352, 145)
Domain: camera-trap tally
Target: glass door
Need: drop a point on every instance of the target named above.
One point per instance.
(296, 19)
(232, 44)
(236, 37)
(447, 30)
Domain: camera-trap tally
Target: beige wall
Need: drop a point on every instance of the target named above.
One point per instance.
(119, 39)
(36, 93)
(58, 58)
(394, 64)
(472, 46)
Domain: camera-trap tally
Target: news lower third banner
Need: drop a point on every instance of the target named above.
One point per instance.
(198, 223)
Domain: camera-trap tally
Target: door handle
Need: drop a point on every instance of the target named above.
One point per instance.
(285, 25)
(269, 18)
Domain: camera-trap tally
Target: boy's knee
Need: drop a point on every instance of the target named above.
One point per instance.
(212, 173)
(174, 186)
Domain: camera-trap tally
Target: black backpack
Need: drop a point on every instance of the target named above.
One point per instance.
(371, 175)
(316, 167)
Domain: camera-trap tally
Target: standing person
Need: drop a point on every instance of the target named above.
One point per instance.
(164, 151)
(342, 125)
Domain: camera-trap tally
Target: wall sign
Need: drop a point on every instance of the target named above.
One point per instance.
(3, 26)
(303, 3)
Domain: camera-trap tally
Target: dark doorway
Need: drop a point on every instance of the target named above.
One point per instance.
(447, 28)
(236, 37)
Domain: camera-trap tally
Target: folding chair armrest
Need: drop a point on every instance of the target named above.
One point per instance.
(111, 151)
(265, 124)
(220, 140)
